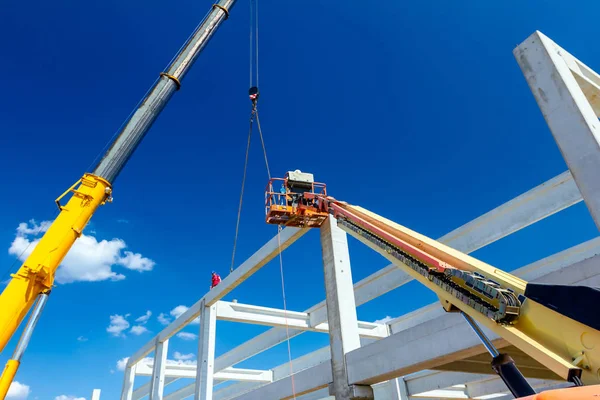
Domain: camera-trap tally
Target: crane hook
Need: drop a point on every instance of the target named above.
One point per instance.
(253, 93)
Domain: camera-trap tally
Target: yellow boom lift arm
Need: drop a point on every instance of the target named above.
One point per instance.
(34, 279)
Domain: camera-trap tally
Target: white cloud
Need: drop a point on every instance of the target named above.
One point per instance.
(122, 363)
(23, 229)
(175, 313)
(82, 339)
(117, 325)
(163, 319)
(138, 330)
(136, 262)
(179, 310)
(88, 260)
(186, 336)
(144, 318)
(65, 397)
(123, 221)
(384, 320)
(18, 391)
(183, 357)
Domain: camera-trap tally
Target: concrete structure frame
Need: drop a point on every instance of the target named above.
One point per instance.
(424, 354)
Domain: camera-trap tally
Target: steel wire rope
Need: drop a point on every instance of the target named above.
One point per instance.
(237, 223)
(254, 114)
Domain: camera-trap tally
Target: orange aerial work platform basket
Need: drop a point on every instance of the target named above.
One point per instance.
(296, 200)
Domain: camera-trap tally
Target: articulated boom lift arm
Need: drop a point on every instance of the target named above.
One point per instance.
(35, 277)
(550, 323)
(508, 306)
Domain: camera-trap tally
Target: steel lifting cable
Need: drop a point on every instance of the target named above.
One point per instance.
(237, 224)
(253, 72)
(253, 50)
(262, 141)
(250, 45)
(254, 94)
(287, 327)
(287, 330)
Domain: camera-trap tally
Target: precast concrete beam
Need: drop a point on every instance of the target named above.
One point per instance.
(549, 71)
(246, 313)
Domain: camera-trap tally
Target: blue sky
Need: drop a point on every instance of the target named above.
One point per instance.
(414, 110)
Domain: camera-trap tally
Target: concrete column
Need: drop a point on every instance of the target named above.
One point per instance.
(206, 352)
(157, 383)
(402, 389)
(549, 71)
(129, 378)
(96, 394)
(341, 310)
(397, 389)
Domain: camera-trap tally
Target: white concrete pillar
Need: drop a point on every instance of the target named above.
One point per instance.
(341, 309)
(553, 75)
(402, 388)
(128, 380)
(96, 394)
(157, 383)
(206, 353)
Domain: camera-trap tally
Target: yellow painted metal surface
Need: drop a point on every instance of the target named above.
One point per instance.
(10, 370)
(36, 275)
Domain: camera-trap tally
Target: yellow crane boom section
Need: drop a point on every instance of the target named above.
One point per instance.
(36, 275)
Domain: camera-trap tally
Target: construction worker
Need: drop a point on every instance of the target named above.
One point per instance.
(215, 279)
(283, 191)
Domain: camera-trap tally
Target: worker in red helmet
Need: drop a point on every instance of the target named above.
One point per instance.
(215, 279)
